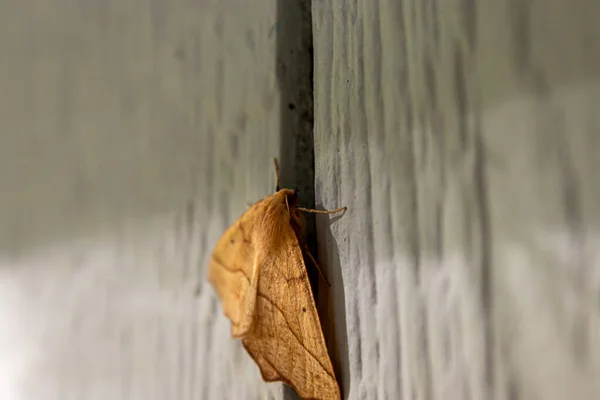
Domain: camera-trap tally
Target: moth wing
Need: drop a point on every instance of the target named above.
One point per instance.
(234, 271)
(286, 340)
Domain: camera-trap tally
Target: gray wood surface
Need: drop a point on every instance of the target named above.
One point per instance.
(462, 136)
(133, 132)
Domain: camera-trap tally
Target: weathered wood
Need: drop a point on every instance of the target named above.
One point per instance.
(462, 136)
(132, 134)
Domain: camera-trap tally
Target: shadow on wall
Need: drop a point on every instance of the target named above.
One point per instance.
(332, 302)
(294, 66)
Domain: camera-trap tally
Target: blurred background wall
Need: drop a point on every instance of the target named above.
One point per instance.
(462, 136)
(132, 135)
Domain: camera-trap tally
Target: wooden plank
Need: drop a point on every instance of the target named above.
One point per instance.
(462, 137)
(133, 134)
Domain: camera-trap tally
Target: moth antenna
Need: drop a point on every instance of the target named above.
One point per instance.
(287, 204)
(310, 210)
(276, 174)
(312, 259)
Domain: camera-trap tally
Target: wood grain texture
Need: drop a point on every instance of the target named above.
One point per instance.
(133, 133)
(462, 136)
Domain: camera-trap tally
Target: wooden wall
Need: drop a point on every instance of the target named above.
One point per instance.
(461, 135)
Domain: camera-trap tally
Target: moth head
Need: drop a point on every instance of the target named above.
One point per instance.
(296, 216)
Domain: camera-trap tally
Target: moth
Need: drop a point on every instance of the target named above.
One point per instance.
(258, 272)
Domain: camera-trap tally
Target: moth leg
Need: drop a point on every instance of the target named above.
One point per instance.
(312, 259)
(248, 307)
(313, 211)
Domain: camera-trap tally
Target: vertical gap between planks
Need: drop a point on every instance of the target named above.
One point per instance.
(294, 67)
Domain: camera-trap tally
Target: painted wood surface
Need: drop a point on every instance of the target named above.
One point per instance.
(133, 134)
(462, 136)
